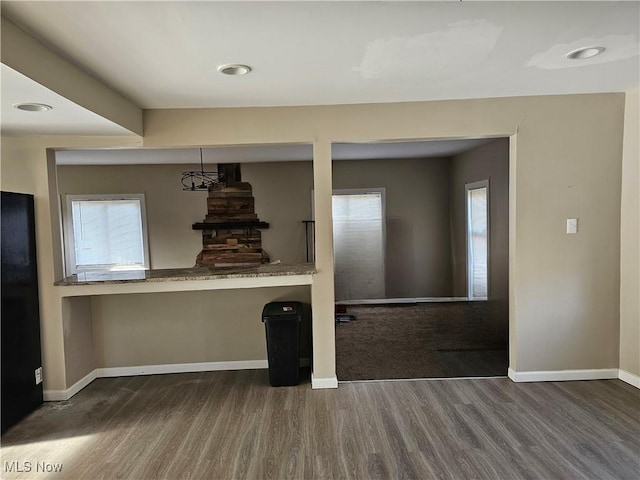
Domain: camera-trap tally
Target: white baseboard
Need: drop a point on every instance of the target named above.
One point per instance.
(80, 384)
(422, 379)
(321, 383)
(180, 368)
(378, 301)
(563, 375)
(61, 395)
(629, 378)
(317, 383)
(55, 395)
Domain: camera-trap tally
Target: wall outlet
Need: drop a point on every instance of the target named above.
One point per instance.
(38, 376)
(572, 225)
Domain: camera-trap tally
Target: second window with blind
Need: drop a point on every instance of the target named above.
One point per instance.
(359, 244)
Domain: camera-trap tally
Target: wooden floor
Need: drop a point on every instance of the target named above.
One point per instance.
(221, 425)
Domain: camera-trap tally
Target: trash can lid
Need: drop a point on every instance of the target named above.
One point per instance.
(280, 309)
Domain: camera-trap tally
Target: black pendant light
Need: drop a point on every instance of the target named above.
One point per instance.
(198, 180)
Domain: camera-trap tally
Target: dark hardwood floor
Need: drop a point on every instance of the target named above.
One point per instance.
(425, 340)
(232, 425)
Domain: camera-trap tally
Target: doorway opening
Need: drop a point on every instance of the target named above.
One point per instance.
(421, 269)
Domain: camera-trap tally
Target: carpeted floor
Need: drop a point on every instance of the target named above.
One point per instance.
(427, 340)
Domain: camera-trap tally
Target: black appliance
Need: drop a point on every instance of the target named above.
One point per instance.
(20, 321)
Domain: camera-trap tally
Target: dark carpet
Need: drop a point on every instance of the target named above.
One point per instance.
(427, 340)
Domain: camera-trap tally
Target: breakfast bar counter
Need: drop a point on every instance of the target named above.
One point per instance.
(186, 279)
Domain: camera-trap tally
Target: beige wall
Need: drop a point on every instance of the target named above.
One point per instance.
(417, 197)
(282, 192)
(564, 289)
(185, 327)
(24, 168)
(418, 249)
(564, 301)
(79, 350)
(170, 210)
(190, 327)
(566, 285)
(323, 291)
(193, 327)
(630, 240)
(487, 162)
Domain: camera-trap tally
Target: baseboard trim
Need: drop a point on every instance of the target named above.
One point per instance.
(61, 395)
(385, 301)
(180, 368)
(318, 383)
(80, 384)
(630, 378)
(424, 379)
(109, 372)
(563, 375)
(55, 395)
(322, 383)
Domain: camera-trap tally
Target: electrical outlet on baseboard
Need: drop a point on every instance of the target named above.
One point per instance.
(38, 376)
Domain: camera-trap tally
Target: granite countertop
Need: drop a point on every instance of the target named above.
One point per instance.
(182, 274)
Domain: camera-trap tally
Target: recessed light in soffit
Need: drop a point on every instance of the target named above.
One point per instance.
(32, 107)
(234, 69)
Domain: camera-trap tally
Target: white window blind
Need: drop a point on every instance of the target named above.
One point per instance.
(107, 233)
(478, 242)
(358, 239)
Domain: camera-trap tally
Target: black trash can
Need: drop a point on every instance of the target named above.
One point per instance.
(282, 327)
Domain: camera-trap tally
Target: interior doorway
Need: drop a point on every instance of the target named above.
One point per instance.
(440, 305)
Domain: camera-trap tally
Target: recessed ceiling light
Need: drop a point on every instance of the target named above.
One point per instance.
(234, 69)
(584, 53)
(32, 107)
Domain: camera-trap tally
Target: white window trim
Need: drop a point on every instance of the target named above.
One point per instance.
(67, 220)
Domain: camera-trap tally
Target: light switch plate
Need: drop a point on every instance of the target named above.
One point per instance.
(38, 376)
(572, 225)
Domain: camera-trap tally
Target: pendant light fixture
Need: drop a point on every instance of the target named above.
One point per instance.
(198, 180)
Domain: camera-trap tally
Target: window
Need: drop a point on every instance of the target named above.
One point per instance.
(478, 239)
(105, 232)
(359, 244)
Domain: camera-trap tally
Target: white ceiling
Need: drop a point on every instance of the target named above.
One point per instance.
(266, 153)
(164, 54)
